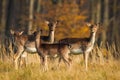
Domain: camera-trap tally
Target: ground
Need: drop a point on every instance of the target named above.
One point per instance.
(110, 70)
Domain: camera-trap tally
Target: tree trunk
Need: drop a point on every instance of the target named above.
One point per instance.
(98, 19)
(30, 16)
(93, 11)
(114, 28)
(106, 21)
(9, 17)
(38, 6)
(98, 16)
(4, 15)
(0, 9)
(60, 2)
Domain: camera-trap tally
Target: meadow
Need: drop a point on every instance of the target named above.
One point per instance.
(107, 69)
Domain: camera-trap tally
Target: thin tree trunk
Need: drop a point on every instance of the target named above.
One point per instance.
(106, 13)
(98, 11)
(4, 15)
(106, 21)
(93, 9)
(0, 9)
(114, 28)
(60, 2)
(39, 6)
(9, 17)
(30, 16)
(98, 19)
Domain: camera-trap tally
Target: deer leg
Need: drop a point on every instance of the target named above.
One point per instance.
(16, 57)
(26, 59)
(67, 60)
(59, 61)
(16, 62)
(44, 63)
(41, 61)
(23, 59)
(86, 55)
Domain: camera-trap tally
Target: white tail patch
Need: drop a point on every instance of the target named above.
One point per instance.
(88, 24)
(76, 51)
(31, 49)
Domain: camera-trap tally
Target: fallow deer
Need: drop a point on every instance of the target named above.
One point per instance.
(67, 46)
(50, 37)
(55, 49)
(82, 45)
(27, 42)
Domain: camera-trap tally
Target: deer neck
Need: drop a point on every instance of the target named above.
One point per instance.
(38, 45)
(92, 37)
(37, 41)
(51, 36)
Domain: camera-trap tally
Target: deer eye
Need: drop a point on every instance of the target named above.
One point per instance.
(50, 24)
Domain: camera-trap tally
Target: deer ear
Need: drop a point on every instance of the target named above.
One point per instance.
(57, 21)
(41, 31)
(88, 24)
(98, 24)
(21, 33)
(11, 31)
(47, 22)
(38, 28)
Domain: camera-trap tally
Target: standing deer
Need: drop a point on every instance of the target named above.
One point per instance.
(82, 45)
(27, 42)
(50, 37)
(67, 46)
(55, 49)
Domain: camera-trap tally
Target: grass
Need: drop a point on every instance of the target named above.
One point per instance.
(108, 71)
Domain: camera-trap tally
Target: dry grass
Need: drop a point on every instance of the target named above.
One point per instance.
(110, 70)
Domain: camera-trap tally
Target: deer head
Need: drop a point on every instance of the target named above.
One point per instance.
(17, 33)
(51, 25)
(93, 27)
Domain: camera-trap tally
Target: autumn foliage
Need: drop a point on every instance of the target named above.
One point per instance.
(71, 18)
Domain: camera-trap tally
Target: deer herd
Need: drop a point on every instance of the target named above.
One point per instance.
(45, 45)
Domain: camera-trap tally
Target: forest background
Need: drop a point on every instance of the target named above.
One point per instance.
(27, 15)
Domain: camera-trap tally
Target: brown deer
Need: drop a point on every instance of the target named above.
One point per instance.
(82, 45)
(27, 42)
(50, 37)
(63, 49)
(45, 50)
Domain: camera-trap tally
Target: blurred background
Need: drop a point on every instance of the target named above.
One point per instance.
(27, 15)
